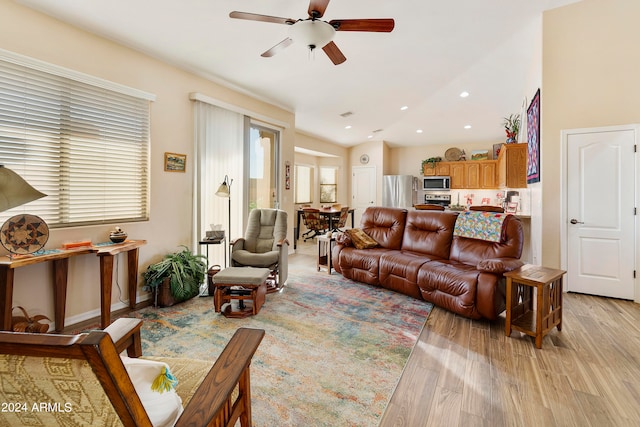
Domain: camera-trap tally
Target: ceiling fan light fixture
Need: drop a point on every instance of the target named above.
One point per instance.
(312, 33)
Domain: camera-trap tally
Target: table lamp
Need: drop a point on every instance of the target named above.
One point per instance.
(20, 234)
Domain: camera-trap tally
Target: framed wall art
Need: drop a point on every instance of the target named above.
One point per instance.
(174, 162)
(533, 139)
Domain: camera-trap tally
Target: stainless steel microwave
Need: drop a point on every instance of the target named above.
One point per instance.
(436, 182)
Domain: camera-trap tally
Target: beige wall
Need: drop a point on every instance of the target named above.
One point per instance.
(29, 33)
(591, 66)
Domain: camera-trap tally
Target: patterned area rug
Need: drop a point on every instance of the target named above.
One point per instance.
(332, 354)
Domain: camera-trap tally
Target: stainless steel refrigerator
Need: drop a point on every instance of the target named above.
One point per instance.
(399, 191)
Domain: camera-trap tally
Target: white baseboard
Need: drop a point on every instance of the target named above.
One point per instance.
(78, 318)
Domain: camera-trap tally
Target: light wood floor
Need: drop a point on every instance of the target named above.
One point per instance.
(465, 372)
(468, 373)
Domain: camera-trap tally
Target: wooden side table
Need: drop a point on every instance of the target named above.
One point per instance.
(523, 315)
(325, 244)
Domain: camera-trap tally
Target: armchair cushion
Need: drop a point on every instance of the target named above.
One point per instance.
(264, 260)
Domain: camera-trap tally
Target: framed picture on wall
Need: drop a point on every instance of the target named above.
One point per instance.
(174, 162)
(533, 137)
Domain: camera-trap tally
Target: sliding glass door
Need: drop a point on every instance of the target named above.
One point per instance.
(263, 167)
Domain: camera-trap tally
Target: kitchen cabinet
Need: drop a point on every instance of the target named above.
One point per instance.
(481, 174)
(469, 174)
(509, 171)
(440, 169)
(512, 166)
(458, 174)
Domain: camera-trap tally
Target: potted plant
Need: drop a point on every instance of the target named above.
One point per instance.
(176, 278)
(430, 163)
(512, 127)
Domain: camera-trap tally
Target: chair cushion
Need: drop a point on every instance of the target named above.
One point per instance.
(163, 408)
(265, 259)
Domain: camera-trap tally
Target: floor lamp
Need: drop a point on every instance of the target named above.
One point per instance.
(225, 191)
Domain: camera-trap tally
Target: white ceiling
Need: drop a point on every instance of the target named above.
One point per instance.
(437, 49)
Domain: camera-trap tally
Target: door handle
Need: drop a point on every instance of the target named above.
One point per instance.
(575, 221)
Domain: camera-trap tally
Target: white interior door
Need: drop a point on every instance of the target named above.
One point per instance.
(363, 190)
(600, 212)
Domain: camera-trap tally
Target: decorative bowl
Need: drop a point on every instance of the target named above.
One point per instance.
(118, 237)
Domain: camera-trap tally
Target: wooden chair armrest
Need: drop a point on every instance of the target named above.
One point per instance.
(283, 242)
(212, 400)
(125, 333)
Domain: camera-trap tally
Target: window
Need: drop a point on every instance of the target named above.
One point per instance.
(328, 185)
(302, 179)
(82, 141)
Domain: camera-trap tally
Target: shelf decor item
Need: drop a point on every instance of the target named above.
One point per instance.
(429, 163)
(512, 127)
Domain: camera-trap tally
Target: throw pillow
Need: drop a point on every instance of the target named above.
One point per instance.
(360, 239)
(163, 408)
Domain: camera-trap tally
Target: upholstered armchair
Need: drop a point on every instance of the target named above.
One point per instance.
(64, 380)
(264, 245)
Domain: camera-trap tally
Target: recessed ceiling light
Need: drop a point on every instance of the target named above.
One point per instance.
(467, 126)
(419, 131)
(404, 107)
(370, 136)
(347, 127)
(464, 94)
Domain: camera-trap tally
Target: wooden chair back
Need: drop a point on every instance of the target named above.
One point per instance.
(213, 402)
(486, 208)
(429, 207)
(344, 214)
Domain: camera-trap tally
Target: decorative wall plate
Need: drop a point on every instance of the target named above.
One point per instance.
(453, 154)
(24, 234)
(364, 159)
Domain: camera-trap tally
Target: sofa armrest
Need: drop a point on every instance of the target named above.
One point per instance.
(499, 265)
(125, 333)
(231, 369)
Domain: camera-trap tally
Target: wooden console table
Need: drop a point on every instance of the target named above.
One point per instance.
(60, 261)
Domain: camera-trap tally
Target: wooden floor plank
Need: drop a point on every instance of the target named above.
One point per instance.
(588, 374)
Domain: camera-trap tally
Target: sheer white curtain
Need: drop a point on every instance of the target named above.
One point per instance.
(219, 142)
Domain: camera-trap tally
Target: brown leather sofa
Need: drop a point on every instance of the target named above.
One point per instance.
(418, 255)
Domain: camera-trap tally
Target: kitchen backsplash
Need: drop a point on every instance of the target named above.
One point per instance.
(492, 197)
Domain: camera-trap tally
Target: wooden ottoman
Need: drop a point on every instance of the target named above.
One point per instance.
(242, 284)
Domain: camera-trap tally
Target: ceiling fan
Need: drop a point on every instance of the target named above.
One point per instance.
(316, 33)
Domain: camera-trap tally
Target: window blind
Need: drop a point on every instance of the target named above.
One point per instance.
(83, 145)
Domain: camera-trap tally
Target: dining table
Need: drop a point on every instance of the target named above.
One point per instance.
(331, 214)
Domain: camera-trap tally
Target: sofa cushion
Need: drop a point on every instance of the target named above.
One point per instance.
(361, 265)
(472, 251)
(360, 239)
(399, 271)
(385, 225)
(429, 232)
(450, 285)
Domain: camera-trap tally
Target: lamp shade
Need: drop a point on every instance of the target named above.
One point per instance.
(312, 33)
(15, 191)
(225, 188)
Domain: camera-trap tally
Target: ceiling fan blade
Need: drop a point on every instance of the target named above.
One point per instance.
(373, 25)
(334, 53)
(261, 18)
(277, 48)
(317, 8)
